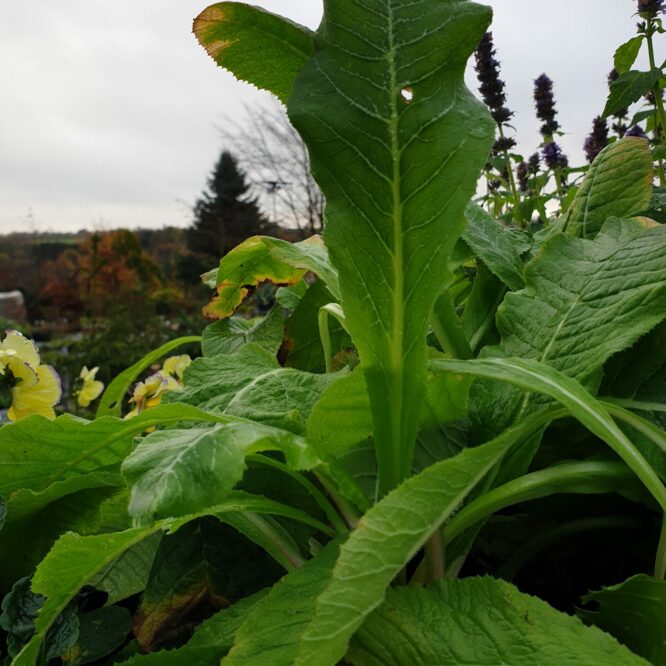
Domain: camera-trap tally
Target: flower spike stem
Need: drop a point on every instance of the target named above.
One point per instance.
(659, 102)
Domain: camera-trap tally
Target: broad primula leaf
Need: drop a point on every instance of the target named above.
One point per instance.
(618, 184)
(36, 452)
(257, 46)
(199, 569)
(261, 259)
(480, 621)
(179, 472)
(228, 335)
(396, 143)
(251, 384)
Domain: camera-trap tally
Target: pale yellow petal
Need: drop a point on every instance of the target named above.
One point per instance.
(91, 391)
(24, 348)
(38, 399)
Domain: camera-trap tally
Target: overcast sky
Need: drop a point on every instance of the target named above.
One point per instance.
(109, 110)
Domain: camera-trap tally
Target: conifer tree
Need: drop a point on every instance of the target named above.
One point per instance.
(225, 214)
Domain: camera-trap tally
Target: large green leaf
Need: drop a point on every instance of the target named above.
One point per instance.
(586, 300)
(201, 568)
(251, 384)
(180, 472)
(76, 561)
(128, 574)
(271, 633)
(36, 520)
(255, 45)
(634, 613)
(396, 143)
(497, 246)
(479, 621)
(618, 184)
(36, 452)
(228, 335)
(388, 537)
(260, 259)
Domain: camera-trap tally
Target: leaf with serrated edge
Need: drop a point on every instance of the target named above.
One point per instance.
(179, 472)
(397, 154)
(257, 46)
(633, 612)
(618, 184)
(629, 88)
(36, 453)
(479, 621)
(261, 259)
(387, 538)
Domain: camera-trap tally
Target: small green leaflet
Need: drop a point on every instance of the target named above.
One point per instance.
(629, 88)
(626, 54)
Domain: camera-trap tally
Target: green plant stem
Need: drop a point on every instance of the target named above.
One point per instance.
(347, 511)
(446, 327)
(284, 550)
(570, 478)
(512, 184)
(534, 546)
(660, 562)
(435, 557)
(659, 103)
(319, 497)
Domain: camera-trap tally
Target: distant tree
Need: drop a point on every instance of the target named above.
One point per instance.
(225, 215)
(276, 163)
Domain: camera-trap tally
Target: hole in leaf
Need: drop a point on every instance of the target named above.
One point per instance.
(407, 94)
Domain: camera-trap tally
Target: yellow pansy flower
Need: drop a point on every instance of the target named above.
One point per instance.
(176, 365)
(92, 388)
(148, 393)
(35, 388)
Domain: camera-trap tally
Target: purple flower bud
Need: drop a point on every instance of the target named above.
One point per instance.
(553, 156)
(650, 8)
(545, 105)
(637, 131)
(598, 140)
(534, 164)
(504, 144)
(523, 175)
(492, 87)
